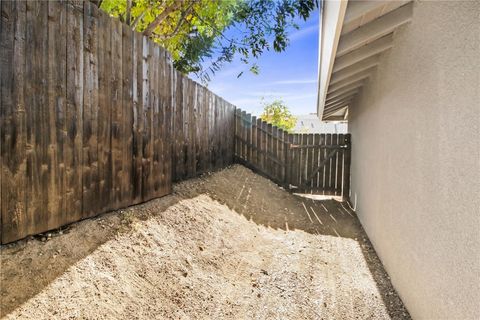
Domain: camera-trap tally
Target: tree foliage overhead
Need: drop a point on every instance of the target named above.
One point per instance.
(203, 35)
(278, 114)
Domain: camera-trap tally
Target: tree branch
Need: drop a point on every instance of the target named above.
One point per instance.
(129, 9)
(162, 16)
(98, 3)
(140, 17)
(179, 23)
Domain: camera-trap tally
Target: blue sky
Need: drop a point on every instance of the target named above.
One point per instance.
(290, 75)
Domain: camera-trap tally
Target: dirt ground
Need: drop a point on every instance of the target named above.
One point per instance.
(229, 245)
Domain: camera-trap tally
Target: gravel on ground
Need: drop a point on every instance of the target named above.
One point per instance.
(226, 245)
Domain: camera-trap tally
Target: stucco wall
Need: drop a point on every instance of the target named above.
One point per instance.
(416, 161)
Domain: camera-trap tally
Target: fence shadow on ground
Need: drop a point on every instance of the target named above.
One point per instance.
(265, 203)
(29, 265)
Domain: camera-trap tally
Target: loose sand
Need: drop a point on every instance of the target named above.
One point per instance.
(230, 245)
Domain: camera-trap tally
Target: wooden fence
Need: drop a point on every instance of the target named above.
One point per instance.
(93, 117)
(306, 163)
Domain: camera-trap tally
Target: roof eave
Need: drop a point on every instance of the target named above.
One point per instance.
(331, 21)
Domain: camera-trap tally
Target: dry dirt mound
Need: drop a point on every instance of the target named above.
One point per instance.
(231, 245)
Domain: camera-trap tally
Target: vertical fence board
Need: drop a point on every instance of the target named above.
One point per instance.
(263, 145)
(322, 153)
(169, 113)
(137, 122)
(254, 141)
(37, 37)
(4, 59)
(334, 165)
(341, 159)
(231, 132)
(104, 113)
(192, 128)
(147, 150)
(73, 154)
(258, 127)
(214, 136)
(328, 165)
(186, 127)
(13, 203)
(248, 137)
(227, 131)
(310, 162)
(315, 162)
(201, 139)
(292, 161)
(127, 108)
(270, 163)
(303, 165)
(156, 173)
(165, 114)
(274, 154)
(208, 161)
(238, 131)
(346, 168)
(280, 155)
(57, 26)
(90, 109)
(178, 128)
(221, 133)
(17, 155)
(243, 148)
(298, 161)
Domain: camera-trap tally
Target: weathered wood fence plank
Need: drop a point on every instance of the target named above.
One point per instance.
(73, 153)
(13, 209)
(94, 117)
(90, 111)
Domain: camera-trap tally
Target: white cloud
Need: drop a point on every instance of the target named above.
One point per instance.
(295, 81)
(303, 32)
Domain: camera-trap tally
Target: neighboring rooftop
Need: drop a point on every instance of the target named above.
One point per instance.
(310, 123)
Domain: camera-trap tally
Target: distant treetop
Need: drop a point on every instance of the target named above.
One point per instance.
(278, 114)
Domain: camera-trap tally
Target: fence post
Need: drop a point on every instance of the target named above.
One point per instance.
(254, 147)
(287, 140)
(237, 134)
(346, 169)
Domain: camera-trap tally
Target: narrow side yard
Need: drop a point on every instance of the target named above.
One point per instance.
(229, 245)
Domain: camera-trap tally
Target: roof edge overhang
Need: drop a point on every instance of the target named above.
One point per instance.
(331, 21)
(354, 34)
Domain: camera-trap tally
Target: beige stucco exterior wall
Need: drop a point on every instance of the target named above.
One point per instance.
(416, 161)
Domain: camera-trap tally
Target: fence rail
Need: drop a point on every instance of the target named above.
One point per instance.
(93, 117)
(307, 163)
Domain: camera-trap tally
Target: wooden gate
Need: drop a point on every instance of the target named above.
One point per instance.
(303, 163)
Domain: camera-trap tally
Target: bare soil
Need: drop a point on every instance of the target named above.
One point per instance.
(228, 245)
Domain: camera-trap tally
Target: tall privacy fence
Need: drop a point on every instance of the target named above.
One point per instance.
(93, 117)
(307, 163)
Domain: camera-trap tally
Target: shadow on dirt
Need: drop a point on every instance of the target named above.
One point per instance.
(29, 265)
